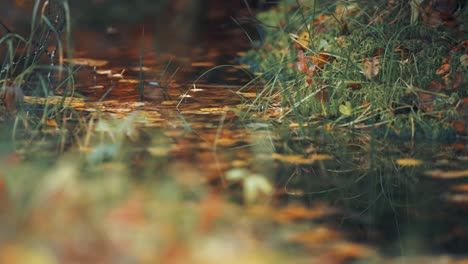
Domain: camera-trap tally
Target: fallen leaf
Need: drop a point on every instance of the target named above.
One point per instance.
(298, 212)
(295, 159)
(447, 174)
(371, 67)
(303, 40)
(443, 69)
(458, 198)
(86, 61)
(203, 64)
(314, 237)
(51, 122)
(346, 109)
(461, 187)
(408, 162)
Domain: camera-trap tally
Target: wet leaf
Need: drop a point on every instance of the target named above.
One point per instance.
(314, 237)
(215, 110)
(343, 251)
(461, 187)
(409, 162)
(247, 94)
(346, 109)
(295, 212)
(447, 174)
(203, 64)
(458, 198)
(295, 159)
(255, 187)
(87, 62)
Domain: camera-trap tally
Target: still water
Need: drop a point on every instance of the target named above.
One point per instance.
(160, 189)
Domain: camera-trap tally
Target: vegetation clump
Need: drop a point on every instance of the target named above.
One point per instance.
(387, 65)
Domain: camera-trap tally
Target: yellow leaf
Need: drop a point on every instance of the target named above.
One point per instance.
(408, 162)
(447, 174)
(303, 40)
(346, 109)
(295, 159)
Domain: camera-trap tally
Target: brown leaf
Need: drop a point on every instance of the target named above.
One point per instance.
(435, 86)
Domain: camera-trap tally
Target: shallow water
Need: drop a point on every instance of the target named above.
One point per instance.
(400, 198)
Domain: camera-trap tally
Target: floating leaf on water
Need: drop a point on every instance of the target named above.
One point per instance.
(295, 159)
(158, 151)
(203, 64)
(247, 94)
(461, 187)
(348, 250)
(169, 102)
(447, 174)
(239, 163)
(458, 198)
(129, 81)
(295, 212)
(346, 109)
(408, 162)
(315, 237)
(227, 142)
(216, 110)
(87, 62)
(256, 186)
(103, 72)
(197, 90)
(96, 87)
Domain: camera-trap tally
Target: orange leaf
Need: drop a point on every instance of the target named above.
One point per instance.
(296, 212)
(443, 69)
(314, 237)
